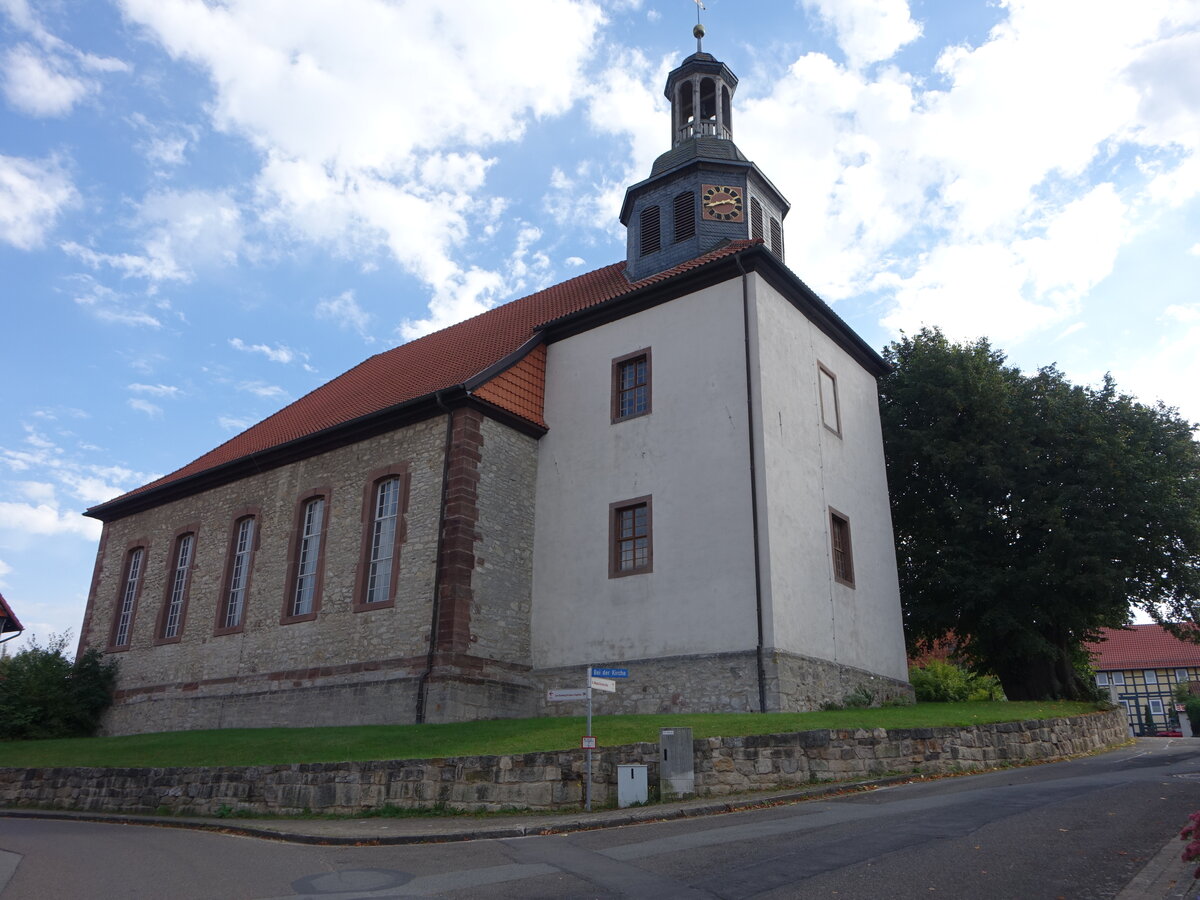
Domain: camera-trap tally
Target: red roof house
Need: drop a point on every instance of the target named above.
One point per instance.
(1142, 647)
(9, 623)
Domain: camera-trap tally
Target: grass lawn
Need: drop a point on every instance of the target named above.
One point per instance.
(265, 746)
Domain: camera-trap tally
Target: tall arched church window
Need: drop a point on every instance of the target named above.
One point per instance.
(650, 228)
(685, 216)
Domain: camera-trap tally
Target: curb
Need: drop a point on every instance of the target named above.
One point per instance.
(639, 815)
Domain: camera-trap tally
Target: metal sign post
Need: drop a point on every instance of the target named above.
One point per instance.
(588, 763)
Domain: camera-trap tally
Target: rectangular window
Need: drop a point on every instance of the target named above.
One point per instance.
(631, 548)
(241, 555)
(843, 555)
(177, 585)
(631, 386)
(1102, 679)
(129, 594)
(1150, 675)
(831, 411)
(1117, 677)
(1156, 706)
(1182, 676)
(383, 540)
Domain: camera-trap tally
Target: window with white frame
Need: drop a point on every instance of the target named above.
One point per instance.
(1156, 706)
(1102, 678)
(180, 571)
(242, 554)
(383, 540)
(307, 557)
(1117, 677)
(1150, 676)
(129, 593)
(1182, 676)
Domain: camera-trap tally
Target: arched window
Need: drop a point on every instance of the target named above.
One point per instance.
(708, 99)
(685, 216)
(231, 612)
(650, 227)
(131, 588)
(179, 579)
(726, 111)
(306, 565)
(385, 501)
(687, 103)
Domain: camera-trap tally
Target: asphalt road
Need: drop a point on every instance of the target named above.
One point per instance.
(1079, 829)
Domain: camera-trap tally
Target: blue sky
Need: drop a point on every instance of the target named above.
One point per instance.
(207, 209)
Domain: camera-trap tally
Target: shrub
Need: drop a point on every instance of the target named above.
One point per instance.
(943, 682)
(44, 695)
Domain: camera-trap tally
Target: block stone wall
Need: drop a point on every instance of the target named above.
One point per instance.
(554, 780)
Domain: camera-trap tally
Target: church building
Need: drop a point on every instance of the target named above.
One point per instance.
(671, 465)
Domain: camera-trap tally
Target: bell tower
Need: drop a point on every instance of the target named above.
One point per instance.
(702, 192)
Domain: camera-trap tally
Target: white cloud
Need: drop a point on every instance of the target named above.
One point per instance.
(345, 310)
(868, 31)
(155, 390)
(111, 306)
(40, 491)
(5, 569)
(296, 78)
(44, 519)
(1171, 368)
(280, 353)
(233, 423)
(262, 389)
(35, 84)
(153, 410)
(574, 261)
(32, 196)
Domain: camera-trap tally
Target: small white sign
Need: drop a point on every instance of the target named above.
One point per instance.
(607, 685)
(559, 695)
(588, 743)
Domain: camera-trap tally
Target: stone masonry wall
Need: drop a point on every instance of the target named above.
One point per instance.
(554, 780)
(272, 673)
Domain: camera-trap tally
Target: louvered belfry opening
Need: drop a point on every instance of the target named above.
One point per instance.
(651, 227)
(685, 216)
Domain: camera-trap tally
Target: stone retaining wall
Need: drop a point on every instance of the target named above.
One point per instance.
(554, 780)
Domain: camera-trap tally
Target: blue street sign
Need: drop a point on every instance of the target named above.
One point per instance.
(609, 673)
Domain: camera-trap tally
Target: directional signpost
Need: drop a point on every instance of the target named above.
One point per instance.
(597, 679)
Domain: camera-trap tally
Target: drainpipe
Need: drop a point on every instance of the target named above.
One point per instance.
(422, 685)
(758, 602)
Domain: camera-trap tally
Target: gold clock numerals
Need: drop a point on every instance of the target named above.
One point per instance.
(721, 203)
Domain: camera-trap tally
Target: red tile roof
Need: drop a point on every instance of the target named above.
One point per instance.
(1142, 647)
(437, 362)
(8, 619)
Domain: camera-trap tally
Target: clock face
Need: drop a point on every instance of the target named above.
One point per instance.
(721, 202)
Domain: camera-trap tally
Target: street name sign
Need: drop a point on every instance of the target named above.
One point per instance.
(598, 672)
(558, 695)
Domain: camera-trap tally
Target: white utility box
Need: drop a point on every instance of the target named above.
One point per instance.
(631, 785)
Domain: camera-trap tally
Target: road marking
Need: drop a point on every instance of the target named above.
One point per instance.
(8, 867)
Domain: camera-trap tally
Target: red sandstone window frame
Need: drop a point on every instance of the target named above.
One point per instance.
(370, 499)
(247, 513)
(619, 365)
(295, 544)
(841, 547)
(133, 547)
(836, 428)
(617, 540)
(160, 625)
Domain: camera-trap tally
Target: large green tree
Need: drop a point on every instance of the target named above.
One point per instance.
(1030, 512)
